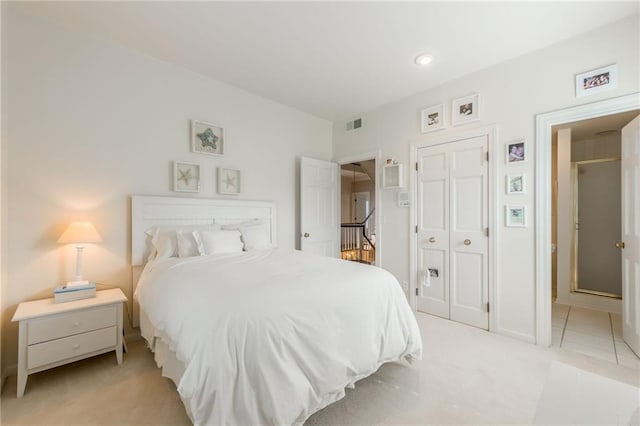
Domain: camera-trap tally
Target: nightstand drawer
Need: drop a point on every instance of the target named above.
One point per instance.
(68, 324)
(69, 347)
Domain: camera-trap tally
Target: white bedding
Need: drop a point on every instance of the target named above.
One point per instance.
(272, 336)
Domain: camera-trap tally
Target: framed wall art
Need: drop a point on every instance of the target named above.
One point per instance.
(516, 216)
(432, 118)
(596, 81)
(207, 138)
(186, 177)
(516, 184)
(465, 110)
(228, 181)
(516, 152)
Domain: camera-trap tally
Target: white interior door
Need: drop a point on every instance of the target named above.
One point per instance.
(319, 205)
(631, 234)
(433, 230)
(452, 223)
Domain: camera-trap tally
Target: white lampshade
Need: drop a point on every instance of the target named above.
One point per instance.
(80, 233)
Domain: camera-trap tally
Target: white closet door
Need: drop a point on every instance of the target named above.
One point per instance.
(452, 219)
(319, 223)
(469, 245)
(631, 234)
(433, 230)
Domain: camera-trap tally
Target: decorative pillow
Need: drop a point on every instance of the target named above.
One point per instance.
(164, 239)
(217, 242)
(256, 237)
(165, 244)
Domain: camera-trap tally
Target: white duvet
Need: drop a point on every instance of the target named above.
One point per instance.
(270, 337)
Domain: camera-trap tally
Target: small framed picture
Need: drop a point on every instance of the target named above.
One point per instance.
(207, 138)
(516, 216)
(228, 181)
(516, 184)
(186, 177)
(516, 152)
(432, 118)
(465, 110)
(596, 81)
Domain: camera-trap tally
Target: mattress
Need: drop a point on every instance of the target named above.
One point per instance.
(270, 337)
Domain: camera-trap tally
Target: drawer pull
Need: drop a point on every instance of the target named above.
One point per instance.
(75, 346)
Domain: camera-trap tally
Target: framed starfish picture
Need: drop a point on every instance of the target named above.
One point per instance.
(207, 138)
(228, 181)
(186, 177)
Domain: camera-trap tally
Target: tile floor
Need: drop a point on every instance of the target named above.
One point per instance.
(592, 333)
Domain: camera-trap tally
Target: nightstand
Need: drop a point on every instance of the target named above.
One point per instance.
(55, 334)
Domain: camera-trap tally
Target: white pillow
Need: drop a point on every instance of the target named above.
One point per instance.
(187, 245)
(164, 239)
(216, 242)
(256, 237)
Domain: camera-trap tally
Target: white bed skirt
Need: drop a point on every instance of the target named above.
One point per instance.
(165, 357)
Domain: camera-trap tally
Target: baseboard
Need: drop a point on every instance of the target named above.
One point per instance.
(516, 335)
(9, 371)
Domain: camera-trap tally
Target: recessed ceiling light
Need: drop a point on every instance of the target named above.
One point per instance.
(423, 59)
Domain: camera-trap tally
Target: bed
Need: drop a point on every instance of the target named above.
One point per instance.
(266, 336)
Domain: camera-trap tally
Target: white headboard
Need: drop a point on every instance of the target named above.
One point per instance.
(147, 211)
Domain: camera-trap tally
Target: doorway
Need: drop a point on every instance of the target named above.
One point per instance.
(352, 208)
(586, 212)
(587, 219)
(547, 250)
(358, 212)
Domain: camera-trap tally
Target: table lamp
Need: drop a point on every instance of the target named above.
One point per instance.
(79, 233)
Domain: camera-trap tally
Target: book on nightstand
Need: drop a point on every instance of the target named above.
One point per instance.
(68, 293)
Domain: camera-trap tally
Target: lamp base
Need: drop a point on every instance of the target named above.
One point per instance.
(76, 283)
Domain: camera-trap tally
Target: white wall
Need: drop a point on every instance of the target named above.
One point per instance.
(512, 94)
(92, 123)
(592, 149)
(346, 199)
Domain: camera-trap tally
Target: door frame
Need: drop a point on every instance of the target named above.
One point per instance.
(377, 156)
(493, 213)
(543, 195)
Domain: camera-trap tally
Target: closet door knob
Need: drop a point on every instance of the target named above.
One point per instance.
(306, 235)
(467, 242)
(432, 239)
(620, 245)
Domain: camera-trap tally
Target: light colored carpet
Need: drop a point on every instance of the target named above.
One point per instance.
(467, 376)
(576, 397)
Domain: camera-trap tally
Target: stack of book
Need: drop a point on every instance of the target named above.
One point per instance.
(71, 292)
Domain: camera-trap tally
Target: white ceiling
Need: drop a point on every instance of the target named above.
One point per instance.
(333, 59)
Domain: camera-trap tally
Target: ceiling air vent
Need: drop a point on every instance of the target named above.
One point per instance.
(355, 124)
